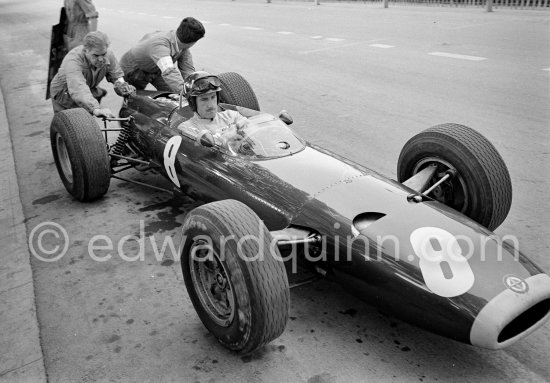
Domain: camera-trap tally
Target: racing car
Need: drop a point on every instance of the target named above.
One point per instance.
(422, 247)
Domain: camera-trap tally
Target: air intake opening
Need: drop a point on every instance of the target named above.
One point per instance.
(363, 220)
(525, 320)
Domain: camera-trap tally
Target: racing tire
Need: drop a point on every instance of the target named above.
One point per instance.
(481, 188)
(237, 91)
(80, 154)
(234, 275)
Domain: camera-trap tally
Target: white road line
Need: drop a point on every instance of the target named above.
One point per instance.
(316, 37)
(328, 48)
(456, 56)
(253, 28)
(334, 39)
(464, 26)
(383, 46)
(225, 25)
(547, 69)
(285, 33)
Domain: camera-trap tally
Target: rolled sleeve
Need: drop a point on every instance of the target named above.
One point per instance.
(185, 63)
(173, 78)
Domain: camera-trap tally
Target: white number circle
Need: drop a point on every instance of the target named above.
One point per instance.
(170, 152)
(445, 270)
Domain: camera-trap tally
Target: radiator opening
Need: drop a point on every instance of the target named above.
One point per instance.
(525, 320)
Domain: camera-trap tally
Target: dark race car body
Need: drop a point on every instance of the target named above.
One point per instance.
(427, 263)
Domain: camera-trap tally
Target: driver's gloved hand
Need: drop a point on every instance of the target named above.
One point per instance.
(124, 89)
(241, 124)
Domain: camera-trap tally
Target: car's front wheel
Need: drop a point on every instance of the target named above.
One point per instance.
(234, 275)
(80, 154)
(480, 188)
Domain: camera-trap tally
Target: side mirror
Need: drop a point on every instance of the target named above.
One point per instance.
(285, 117)
(207, 139)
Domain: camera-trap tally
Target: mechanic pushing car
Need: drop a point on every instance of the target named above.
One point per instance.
(202, 91)
(162, 58)
(76, 83)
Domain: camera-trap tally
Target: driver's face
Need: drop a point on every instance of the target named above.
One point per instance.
(207, 105)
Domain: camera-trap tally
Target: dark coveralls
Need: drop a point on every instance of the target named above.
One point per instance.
(140, 63)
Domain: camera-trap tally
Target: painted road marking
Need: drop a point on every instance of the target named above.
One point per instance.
(547, 69)
(336, 39)
(456, 56)
(328, 48)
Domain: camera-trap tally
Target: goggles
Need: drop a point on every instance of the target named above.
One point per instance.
(205, 83)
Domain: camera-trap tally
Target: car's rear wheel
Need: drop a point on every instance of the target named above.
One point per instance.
(481, 187)
(234, 275)
(80, 154)
(237, 91)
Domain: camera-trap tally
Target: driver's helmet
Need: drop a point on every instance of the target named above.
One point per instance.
(199, 83)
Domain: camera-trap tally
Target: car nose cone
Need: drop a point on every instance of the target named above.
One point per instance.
(516, 312)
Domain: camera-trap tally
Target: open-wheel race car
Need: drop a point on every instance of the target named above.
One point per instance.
(421, 247)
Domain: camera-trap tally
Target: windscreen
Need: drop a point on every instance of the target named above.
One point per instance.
(265, 136)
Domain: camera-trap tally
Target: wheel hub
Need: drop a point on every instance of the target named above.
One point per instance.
(211, 284)
(452, 192)
(221, 281)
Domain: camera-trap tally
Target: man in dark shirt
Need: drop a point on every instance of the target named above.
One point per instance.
(162, 58)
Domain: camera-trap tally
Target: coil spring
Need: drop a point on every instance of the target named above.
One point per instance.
(120, 145)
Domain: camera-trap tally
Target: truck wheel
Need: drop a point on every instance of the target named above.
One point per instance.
(237, 91)
(481, 189)
(234, 275)
(80, 154)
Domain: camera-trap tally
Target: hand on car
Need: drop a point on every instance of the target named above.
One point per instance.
(103, 112)
(123, 89)
(241, 124)
(234, 141)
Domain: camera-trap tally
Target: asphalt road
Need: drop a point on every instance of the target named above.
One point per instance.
(359, 80)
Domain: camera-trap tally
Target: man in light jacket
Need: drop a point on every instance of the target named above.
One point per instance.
(83, 68)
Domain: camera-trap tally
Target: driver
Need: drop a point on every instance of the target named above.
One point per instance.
(202, 91)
